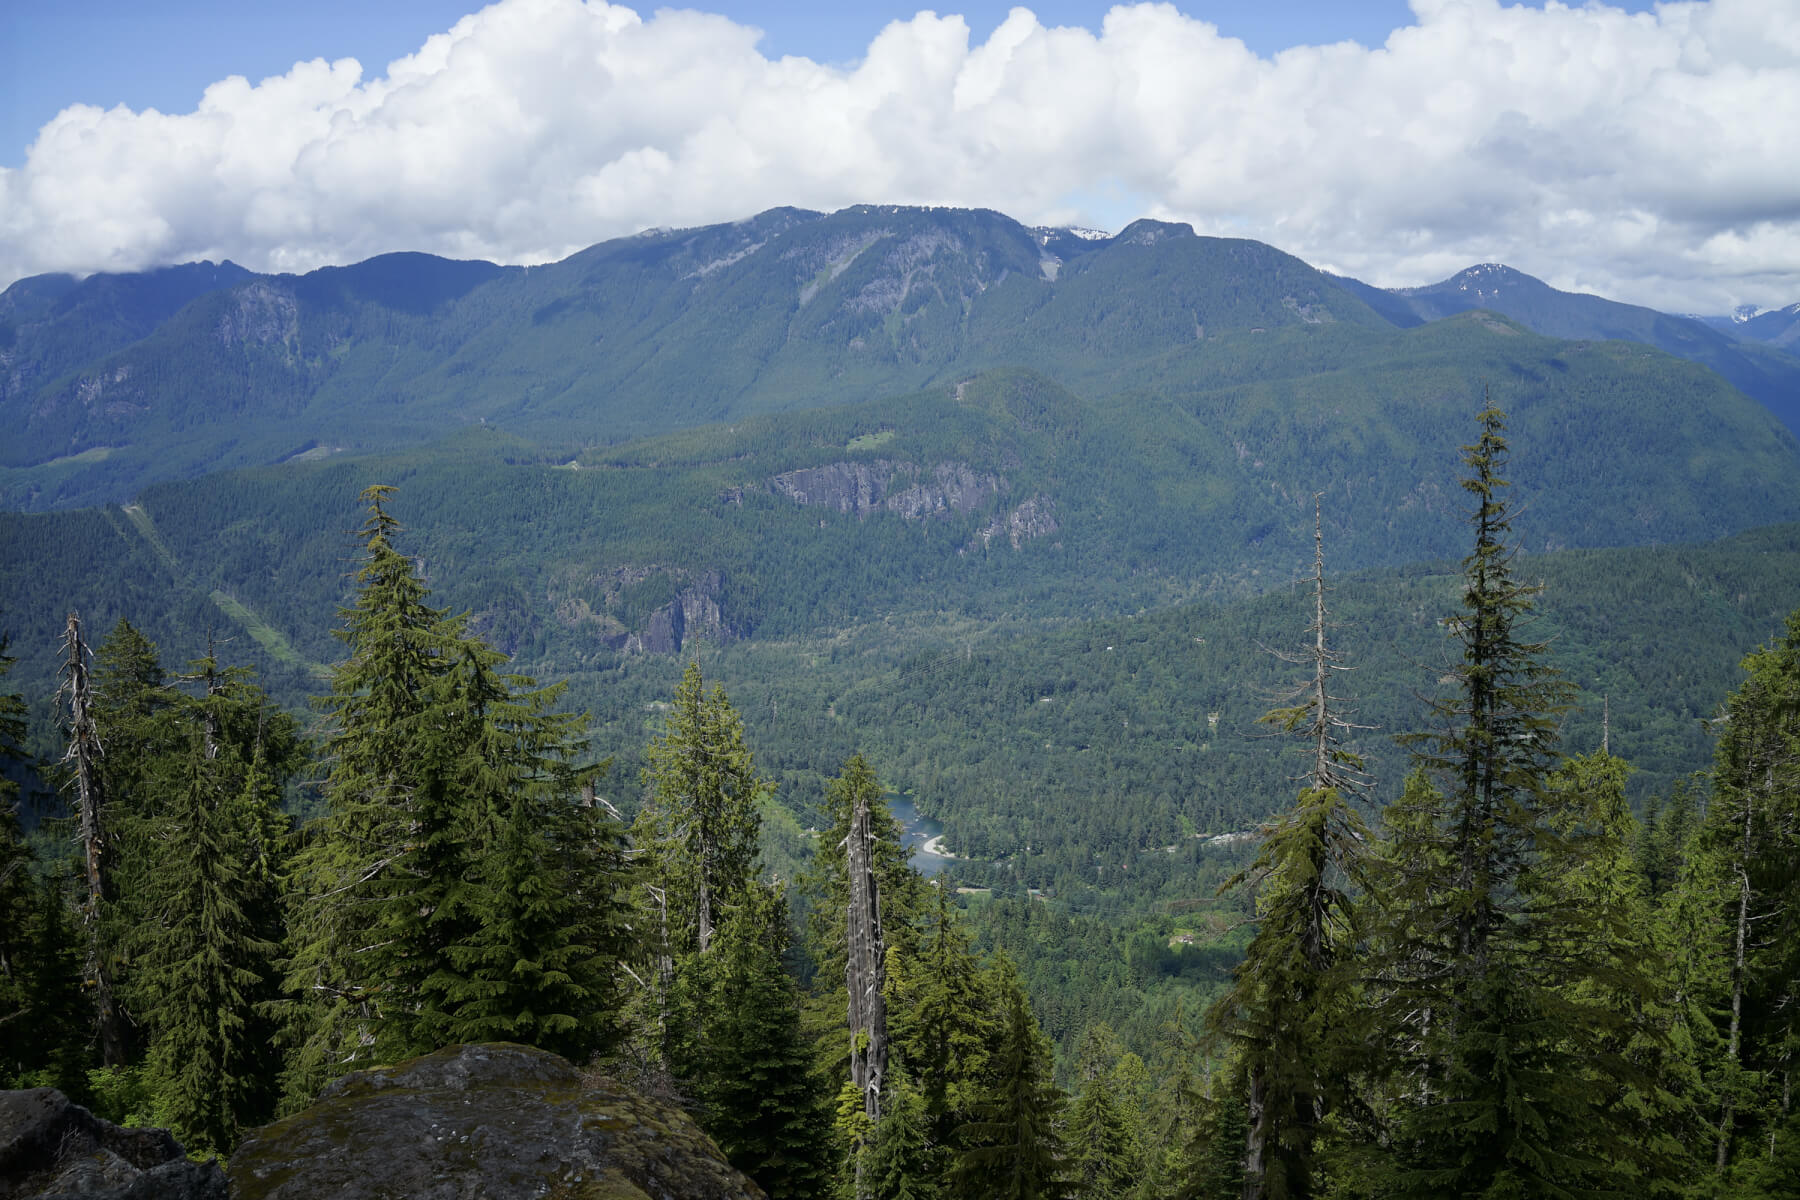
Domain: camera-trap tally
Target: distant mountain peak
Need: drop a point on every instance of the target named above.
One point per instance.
(1488, 275)
(1481, 280)
(1146, 231)
(1046, 235)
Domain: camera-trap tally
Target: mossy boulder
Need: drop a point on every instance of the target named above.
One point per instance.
(493, 1121)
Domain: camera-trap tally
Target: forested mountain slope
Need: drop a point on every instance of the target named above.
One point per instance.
(1003, 496)
(117, 382)
(921, 579)
(1755, 357)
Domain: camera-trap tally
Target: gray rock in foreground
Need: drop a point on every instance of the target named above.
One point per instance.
(52, 1148)
(489, 1121)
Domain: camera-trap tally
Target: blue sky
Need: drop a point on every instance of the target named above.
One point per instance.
(1637, 150)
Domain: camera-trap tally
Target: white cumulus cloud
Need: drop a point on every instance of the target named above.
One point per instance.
(1652, 157)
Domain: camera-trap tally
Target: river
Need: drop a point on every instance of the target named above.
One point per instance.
(918, 830)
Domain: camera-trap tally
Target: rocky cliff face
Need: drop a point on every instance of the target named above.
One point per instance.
(603, 604)
(500, 1122)
(260, 313)
(1035, 518)
(881, 485)
(694, 612)
(51, 1147)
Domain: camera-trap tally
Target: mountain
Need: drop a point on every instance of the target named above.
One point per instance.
(1753, 362)
(637, 336)
(1778, 327)
(999, 495)
(976, 590)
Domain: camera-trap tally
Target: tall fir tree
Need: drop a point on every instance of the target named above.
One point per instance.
(457, 884)
(703, 815)
(696, 838)
(751, 1071)
(207, 965)
(946, 1022)
(1103, 1123)
(902, 1163)
(1013, 1148)
(1291, 1007)
(1749, 844)
(540, 917)
(1173, 1133)
(372, 874)
(1502, 1065)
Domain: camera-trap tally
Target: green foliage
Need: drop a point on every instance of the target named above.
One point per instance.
(536, 905)
(943, 1023)
(702, 817)
(1012, 1148)
(902, 1163)
(205, 961)
(123, 1095)
(1504, 1025)
(1744, 865)
(750, 1066)
(1105, 1122)
(46, 1037)
(455, 886)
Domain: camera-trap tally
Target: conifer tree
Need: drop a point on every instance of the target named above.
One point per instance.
(1013, 1150)
(901, 888)
(1593, 911)
(206, 965)
(540, 915)
(374, 872)
(902, 1163)
(751, 1069)
(130, 695)
(945, 1022)
(1173, 1134)
(457, 886)
(702, 820)
(1291, 1005)
(1692, 933)
(1751, 841)
(1502, 1065)
(1102, 1126)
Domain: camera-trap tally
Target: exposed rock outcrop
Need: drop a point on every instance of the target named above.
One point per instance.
(261, 313)
(495, 1121)
(53, 1149)
(693, 613)
(603, 603)
(882, 485)
(1035, 518)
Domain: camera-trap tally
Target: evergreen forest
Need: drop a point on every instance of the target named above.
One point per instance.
(1337, 889)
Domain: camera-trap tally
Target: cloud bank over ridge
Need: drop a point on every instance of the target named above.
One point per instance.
(1649, 157)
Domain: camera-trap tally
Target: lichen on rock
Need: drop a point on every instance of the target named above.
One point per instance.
(497, 1121)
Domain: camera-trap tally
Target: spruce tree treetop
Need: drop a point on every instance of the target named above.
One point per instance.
(1291, 1007)
(703, 817)
(1497, 733)
(459, 886)
(1497, 991)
